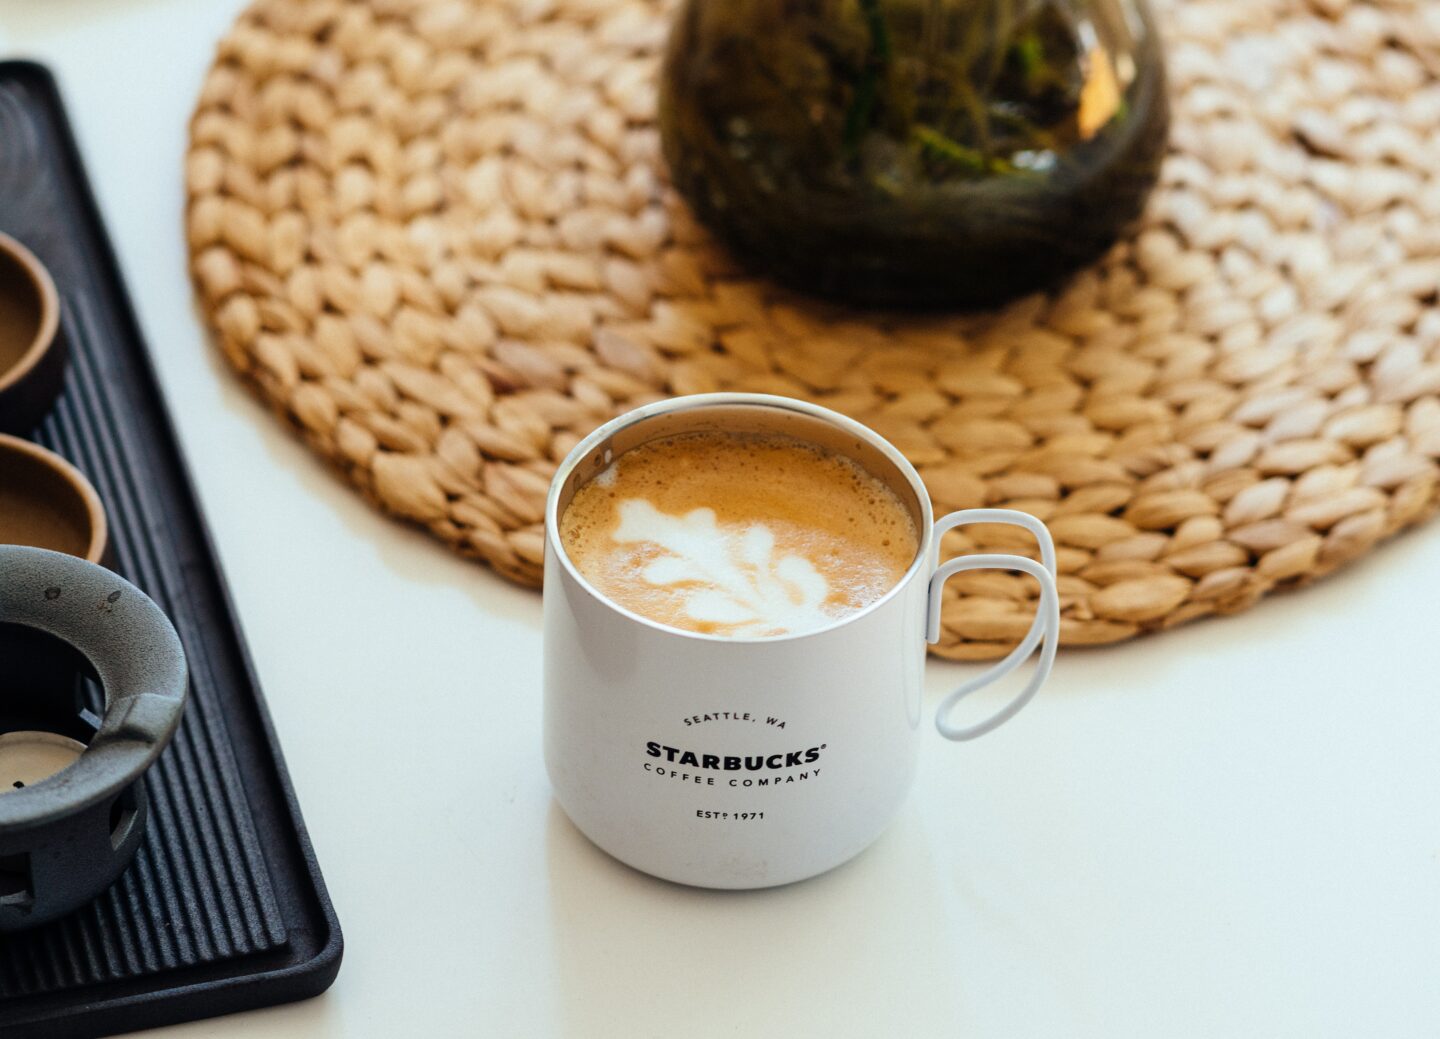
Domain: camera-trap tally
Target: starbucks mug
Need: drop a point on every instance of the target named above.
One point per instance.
(749, 762)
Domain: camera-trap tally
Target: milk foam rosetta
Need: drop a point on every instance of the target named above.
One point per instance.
(742, 535)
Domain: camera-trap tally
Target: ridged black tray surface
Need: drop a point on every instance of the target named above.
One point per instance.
(223, 908)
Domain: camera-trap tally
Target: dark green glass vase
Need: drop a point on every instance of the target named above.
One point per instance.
(924, 153)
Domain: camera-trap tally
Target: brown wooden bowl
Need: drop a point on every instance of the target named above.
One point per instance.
(45, 502)
(32, 352)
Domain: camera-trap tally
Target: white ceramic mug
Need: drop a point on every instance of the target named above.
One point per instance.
(750, 762)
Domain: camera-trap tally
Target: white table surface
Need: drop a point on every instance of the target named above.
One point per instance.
(1232, 830)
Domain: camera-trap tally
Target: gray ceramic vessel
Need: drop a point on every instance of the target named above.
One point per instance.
(66, 838)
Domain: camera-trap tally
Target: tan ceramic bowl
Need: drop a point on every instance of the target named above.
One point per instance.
(45, 502)
(32, 353)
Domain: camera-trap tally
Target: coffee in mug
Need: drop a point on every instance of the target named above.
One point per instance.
(742, 535)
(738, 593)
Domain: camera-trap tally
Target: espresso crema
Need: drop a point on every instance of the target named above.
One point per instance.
(738, 535)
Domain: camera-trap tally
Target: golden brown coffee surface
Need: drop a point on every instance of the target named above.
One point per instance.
(738, 535)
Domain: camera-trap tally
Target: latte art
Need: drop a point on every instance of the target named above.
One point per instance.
(729, 577)
(738, 535)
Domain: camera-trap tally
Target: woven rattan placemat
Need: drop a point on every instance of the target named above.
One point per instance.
(437, 237)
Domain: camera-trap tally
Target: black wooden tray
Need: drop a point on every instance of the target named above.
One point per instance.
(223, 908)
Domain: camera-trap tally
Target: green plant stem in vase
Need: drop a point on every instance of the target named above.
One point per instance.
(926, 153)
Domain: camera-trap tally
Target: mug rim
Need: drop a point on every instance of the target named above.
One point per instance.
(705, 401)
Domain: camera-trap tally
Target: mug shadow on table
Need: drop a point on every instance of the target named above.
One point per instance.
(751, 960)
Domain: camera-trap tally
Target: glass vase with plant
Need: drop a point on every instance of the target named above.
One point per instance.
(931, 153)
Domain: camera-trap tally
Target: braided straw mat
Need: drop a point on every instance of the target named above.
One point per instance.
(438, 238)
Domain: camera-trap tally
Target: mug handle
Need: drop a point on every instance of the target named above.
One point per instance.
(1046, 625)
